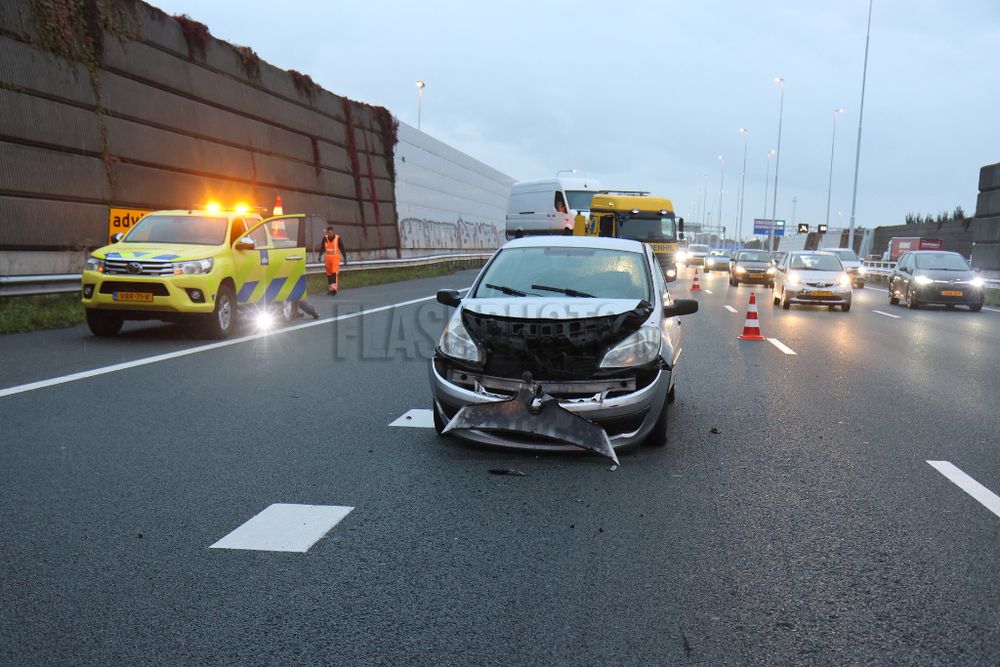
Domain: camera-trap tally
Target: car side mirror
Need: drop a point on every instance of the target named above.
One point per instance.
(449, 297)
(681, 307)
(977, 269)
(246, 243)
(118, 236)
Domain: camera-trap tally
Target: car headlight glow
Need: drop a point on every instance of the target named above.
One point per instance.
(671, 273)
(681, 256)
(977, 282)
(95, 264)
(197, 266)
(794, 278)
(922, 280)
(862, 270)
(845, 280)
(639, 348)
(458, 344)
(740, 269)
(770, 270)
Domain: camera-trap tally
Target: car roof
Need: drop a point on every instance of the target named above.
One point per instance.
(933, 252)
(831, 248)
(560, 241)
(811, 252)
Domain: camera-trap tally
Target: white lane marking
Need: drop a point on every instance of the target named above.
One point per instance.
(72, 377)
(416, 418)
(875, 289)
(730, 308)
(895, 317)
(781, 346)
(986, 498)
(992, 310)
(285, 527)
(707, 291)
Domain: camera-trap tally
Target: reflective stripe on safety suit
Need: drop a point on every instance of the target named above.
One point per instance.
(332, 250)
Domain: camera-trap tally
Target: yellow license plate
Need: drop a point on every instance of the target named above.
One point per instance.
(951, 293)
(821, 293)
(143, 297)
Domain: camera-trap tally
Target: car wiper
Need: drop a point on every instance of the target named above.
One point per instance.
(568, 291)
(509, 291)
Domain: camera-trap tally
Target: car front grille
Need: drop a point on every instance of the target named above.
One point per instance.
(129, 267)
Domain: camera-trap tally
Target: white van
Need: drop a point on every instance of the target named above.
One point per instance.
(548, 206)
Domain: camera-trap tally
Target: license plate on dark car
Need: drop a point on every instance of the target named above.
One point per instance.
(951, 293)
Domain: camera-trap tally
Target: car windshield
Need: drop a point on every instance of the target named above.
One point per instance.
(845, 254)
(598, 272)
(579, 199)
(647, 229)
(720, 253)
(760, 256)
(187, 229)
(945, 261)
(816, 263)
(698, 248)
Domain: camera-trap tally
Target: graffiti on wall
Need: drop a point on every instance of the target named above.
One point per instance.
(423, 233)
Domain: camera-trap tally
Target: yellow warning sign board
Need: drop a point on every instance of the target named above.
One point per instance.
(122, 219)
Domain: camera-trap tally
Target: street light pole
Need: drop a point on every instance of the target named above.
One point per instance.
(722, 180)
(777, 163)
(704, 200)
(767, 180)
(420, 100)
(743, 190)
(861, 115)
(829, 186)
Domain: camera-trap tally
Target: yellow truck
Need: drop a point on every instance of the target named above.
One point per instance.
(201, 266)
(636, 215)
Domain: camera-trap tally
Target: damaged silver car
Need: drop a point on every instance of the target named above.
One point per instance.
(562, 343)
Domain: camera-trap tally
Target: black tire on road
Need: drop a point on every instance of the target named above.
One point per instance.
(975, 307)
(658, 436)
(439, 422)
(222, 322)
(103, 324)
(846, 307)
(893, 299)
(911, 299)
(785, 303)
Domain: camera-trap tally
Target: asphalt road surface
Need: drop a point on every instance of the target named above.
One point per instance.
(793, 517)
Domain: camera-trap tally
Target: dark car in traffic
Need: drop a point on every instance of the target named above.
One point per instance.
(752, 266)
(935, 277)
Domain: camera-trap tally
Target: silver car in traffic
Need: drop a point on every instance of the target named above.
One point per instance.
(562, 343)
(815, 278)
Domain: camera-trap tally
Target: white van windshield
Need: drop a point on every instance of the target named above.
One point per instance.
(579, 199)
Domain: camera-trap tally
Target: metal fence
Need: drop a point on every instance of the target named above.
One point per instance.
(70, 282)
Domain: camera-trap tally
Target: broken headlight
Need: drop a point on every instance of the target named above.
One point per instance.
(639, 348)
(458, 344)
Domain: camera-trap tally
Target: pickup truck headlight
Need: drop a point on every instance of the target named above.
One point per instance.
(458, 344)
(94, 264)
(922, 280)
(639, 348)
(194, 267)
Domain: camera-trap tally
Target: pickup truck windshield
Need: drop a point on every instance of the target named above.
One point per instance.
(595, 272)
(179, 229)
(647, 229)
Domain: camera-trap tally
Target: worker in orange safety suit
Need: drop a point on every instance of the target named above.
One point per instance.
(332, 247)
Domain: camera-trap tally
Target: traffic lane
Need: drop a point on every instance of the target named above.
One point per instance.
(835, 520)
(40, 355)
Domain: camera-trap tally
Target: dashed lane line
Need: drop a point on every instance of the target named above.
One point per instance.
(781, 346)
(895, 317)
(986, 498)
(285, 527)
(707, 291)
(94, 372)
(730, 308)
(416, 418)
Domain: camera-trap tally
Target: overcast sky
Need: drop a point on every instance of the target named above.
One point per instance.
(648, 94)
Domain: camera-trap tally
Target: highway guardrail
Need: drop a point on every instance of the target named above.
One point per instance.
(64, 283)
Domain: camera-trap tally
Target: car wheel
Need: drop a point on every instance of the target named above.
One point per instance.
(774, 296)
(103, 324)
(439, 422)
(911, 299)
(893, 299)
(785, 303)
(222, 322)
(672, 394)
(288, 311)
(861, 285)
(846, 307)
(658, 436)
(975, 307)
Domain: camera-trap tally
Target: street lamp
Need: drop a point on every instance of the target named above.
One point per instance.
(704, 200)
(722, 180)
(777, 163)
(420, 100)
(861, 115)
(767, 179)
(565, 171)
(743, 190)
(833, 142)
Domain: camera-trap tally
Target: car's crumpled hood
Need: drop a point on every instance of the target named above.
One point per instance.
(549, 308)
(156, 251)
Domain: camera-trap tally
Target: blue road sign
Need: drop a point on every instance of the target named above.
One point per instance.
(764, 226)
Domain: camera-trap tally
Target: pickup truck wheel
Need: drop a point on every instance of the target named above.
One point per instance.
(222, 322)
(103, 324)
(658, 436)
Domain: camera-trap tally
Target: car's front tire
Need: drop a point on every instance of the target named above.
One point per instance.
(911, 299)
(893, 299)
(658, 436)
(846, 307)
(103, 324)
(785, 303)
(439, 422)
(975, 307)
(222, 322)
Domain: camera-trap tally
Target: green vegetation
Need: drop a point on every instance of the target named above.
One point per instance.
(939, 219)
(19, 314)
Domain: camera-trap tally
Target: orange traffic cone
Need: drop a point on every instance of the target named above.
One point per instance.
(277, 206)
(751, 329)
(695, 287)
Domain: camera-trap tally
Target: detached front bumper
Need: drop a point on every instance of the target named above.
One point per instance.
(169, 295)
(819, 295)
(626, 418)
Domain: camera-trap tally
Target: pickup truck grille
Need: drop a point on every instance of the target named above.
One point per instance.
(130, 267)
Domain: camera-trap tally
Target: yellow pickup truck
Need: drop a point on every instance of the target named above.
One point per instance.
(200, 266)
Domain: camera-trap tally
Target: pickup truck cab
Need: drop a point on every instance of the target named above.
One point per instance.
(199, 266)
